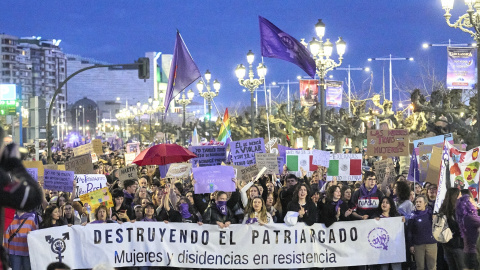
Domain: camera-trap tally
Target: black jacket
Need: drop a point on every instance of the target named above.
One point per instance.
(310, 216)
(212, 215)
(327, 213)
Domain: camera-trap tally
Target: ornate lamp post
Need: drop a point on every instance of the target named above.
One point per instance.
(251, 84)
(184, 102)
(209, 95)
(321, 52)
(469, 23)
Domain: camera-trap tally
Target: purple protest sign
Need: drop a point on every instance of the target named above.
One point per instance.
(243, 152)
(208, 155)
(58, 180)
(212, 178)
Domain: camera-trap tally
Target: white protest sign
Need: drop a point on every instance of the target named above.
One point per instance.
(179, 170)
(129, 157)
(58, 180)
(88, 182)
(267, 160)
(321, 158)
(186, 245)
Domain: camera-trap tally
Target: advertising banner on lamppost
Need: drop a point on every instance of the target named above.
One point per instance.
(334, 93)
(461, 68)
(308, 92)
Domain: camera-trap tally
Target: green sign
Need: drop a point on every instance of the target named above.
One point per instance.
(8, 107)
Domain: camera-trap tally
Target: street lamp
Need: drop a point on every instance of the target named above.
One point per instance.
(184, 102)
(83, 116)
(348, 69)
(469, 23)
(390, 59)
(251, 84)
(208, 96)
(322, 51)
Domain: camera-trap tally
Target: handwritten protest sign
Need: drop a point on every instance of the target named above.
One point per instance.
(87, 183)
(243, 152)
(321, 158)
(133, 148)
(97, 146)
(33, 173)
(97, 197)
(83, 149)
(129, 172)
(58, 180)
(385, 170)
(267, 160)
(130, 157)
(59, 167)
(80, 164)
(388, 142)
(208, 155)
(212, 178)
(179, 170)
(247, 173)
(34, 164)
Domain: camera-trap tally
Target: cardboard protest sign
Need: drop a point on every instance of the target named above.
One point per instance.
(59, 167)
(434, 166)
(208, 155)
(97, 197)
(388, 142)
(247, 173)
(129, 157)
(87, 183)
(267, 160)
(321, 158)
(58, 180)
(34, 164)
(80, 164)
(83, 149)
(297, 159)
(97, 147)
(346, 167)
(243, 152)
(129, 172)
(436, 140)
(179, 170)
(212, 178)
(33, 173)
(385, 170)
(424, 154)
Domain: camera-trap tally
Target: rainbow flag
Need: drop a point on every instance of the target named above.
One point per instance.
(225, 131)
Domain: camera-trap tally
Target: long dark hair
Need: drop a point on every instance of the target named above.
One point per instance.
(403, 191)
(448, 204)
(47, 217)
(331, 191)
(393, 209)
(297, 189)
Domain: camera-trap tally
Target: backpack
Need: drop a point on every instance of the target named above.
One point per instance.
(440, 230)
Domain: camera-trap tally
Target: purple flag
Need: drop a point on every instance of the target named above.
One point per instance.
(413, 172)
(277, 44)
(183, 71)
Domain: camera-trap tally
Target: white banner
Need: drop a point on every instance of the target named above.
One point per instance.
(365, 242)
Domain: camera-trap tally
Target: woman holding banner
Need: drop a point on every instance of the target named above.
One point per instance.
(332, 208)
(51, 217)
(120, 211)
(219, 213)
(303, 205)
(185, 212)
(101, 216)
(258, 213)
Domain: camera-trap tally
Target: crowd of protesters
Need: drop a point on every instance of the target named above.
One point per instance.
(284, 198)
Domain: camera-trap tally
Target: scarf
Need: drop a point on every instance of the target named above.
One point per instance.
(365, 192)
(184, 210)
(337, 205)
(128, 196)
(222, 207)
(251, 220)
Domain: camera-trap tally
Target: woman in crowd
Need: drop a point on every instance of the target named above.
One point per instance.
(185, 212)
(332, 208)
(419, 235)
(402, 192)
(347, 196)
(303, 205)
(120, 211)
(453, 249)
(189, 196)
(270, 206)
(218, 212)
(70, 215)
(138, 209)
(248, 192)
(257, 213)
(101, 216)
(469, 223)
(51, 217)
(140, 195)
(149, 212)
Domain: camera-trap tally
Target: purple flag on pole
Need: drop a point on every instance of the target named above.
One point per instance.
(277, 44)
(183, 71)
(413, 172)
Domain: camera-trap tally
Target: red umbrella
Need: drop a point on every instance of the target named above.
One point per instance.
(162, 154)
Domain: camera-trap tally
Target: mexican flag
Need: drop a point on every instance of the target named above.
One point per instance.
(346, 167)
(297, 159)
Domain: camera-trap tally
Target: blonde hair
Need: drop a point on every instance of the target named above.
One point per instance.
(263, 217)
